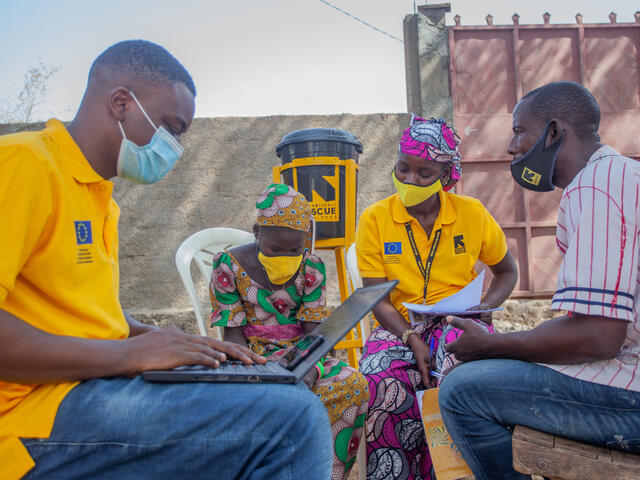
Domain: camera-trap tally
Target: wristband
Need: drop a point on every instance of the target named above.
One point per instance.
(320, 369)
(405, 335)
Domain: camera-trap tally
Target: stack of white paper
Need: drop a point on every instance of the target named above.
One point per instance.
(456, 304)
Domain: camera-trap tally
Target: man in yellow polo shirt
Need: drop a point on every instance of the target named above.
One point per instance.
(69, 402)
(429, 240)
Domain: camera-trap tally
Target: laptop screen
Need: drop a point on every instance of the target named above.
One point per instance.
(300, 350)
(341, 320)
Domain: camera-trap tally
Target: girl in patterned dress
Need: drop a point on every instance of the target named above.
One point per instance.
(268, 294)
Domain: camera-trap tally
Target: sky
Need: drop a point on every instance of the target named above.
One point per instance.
(250, 57)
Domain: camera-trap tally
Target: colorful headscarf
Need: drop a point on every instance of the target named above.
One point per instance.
(282, 206)
(430, 138)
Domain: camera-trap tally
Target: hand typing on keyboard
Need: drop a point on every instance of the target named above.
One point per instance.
(167, 348)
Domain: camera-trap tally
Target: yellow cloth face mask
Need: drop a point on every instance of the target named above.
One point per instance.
(280, 269)
(411, 195)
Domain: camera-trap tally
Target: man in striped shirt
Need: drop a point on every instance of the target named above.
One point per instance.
(578, 375)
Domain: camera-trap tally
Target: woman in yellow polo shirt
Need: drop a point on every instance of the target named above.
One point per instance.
(429, 240)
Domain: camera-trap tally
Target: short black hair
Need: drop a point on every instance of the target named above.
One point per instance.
(144, 61)
(568, 101)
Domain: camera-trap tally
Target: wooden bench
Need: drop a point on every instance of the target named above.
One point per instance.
(557, 458)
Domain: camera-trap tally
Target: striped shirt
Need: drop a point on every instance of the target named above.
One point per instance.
(597, 231)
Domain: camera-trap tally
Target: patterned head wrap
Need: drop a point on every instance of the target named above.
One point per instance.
(282, 206)
(429, 139)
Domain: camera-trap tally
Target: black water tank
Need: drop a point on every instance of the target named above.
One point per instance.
(310, 147)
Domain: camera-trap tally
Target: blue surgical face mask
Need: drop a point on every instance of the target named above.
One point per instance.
(151, 162)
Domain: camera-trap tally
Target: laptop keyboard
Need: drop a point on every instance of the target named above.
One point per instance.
(235, 366)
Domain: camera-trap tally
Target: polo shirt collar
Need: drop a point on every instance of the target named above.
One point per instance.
(75, 160)
(446, 216)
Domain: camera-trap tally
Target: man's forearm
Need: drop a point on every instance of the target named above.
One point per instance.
(136, 327)
(30, 355)
(560, 340)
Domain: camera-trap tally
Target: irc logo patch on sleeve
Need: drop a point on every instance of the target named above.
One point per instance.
(83, 232)
(392, 248)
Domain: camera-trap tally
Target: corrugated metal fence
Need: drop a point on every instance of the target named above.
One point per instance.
(491, 67)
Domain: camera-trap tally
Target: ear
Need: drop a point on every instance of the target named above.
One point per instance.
(554, 133)
(256, 230)
(445, 175)
(119, 102)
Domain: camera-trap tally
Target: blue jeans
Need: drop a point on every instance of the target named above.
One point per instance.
(128, 428)
(481, 401)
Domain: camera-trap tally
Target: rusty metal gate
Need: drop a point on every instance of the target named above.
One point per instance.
(491, 67)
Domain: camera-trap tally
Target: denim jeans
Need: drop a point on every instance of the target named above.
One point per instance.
(481, 401)
(124, 428)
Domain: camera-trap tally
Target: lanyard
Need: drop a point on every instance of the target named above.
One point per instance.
(425, 269)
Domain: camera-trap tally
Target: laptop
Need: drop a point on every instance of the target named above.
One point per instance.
(294, 365)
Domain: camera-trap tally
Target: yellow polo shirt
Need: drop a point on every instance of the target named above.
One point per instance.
(469, 233)
(59, 268)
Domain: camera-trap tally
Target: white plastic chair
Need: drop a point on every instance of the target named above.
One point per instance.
(365, 331)
(356, 282)
(201, 246)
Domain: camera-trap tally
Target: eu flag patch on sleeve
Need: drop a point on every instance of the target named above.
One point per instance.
(392, 248)
(83, 232)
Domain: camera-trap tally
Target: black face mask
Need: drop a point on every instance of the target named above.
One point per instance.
(534, 170)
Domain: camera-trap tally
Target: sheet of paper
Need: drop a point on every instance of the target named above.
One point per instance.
(456, 304)
(419, 395)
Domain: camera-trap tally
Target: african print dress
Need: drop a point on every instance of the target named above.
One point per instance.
(272, 321)
(396, 443)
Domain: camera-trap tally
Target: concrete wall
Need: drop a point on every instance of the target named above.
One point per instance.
(227, 162)
(426, 43)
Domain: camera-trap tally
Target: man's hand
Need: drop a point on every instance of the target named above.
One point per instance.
(470, 344)
(168, 347)
(421, 354)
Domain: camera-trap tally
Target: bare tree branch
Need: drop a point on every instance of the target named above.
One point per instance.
(19, 108)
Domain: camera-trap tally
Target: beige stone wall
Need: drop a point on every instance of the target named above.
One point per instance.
(227, 161)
